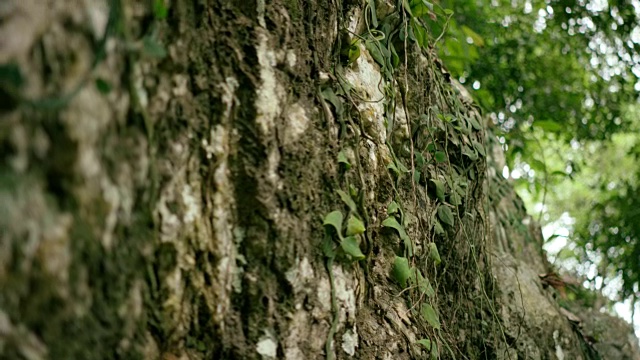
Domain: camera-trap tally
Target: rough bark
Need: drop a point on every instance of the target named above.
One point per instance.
(170, 206)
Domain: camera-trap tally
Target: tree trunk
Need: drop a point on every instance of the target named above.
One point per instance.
(167, 168)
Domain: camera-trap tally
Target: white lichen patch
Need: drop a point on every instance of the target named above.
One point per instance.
(297, 123)
(293, 353)
(345, 294)
(192, 205)
(180, 83)
(87, 118)
(217, 143)
(112, 197)
(222, 224)
(138, 86)
(177, 223)
(98, 12)
(355, 24)
(228, 95)
(270, 92)
(350, 342)
(367, 81)
(170, 225)
(324, 298)
(267, 347)
(273, 162)
(26, 342)
(54, 251)
(400, 127)
(297, 333)
(292, 58)
(223, 205)
(224, 243)
(260, 9)
(22, 24)
(175, 285)
(559, 352)
(300, 275)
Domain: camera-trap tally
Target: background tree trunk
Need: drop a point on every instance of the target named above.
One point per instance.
(166, 168)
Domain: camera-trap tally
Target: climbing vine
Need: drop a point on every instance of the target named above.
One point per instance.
(435, 155)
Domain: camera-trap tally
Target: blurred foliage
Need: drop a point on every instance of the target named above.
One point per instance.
(559, 80)
(599, 204)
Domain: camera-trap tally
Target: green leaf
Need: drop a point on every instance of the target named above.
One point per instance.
(342, 159)
(392, 208)
(439, 188)
(393, 168)
(434, 254)
(448, 12)
(401, 271)
(440, 156)
(477, 39)
(395, 58)
(424, 285)
(438, 227)
(159, 9)
(393, 223)
(548, 125)
(327, 247)
(469, 153)
(11, 75)
(537, 165)
(474, 123)
(455, 199)
(448, 118)
(445, 214)
(479, 148)
(151, 47)
(435, 354)
(398, 168)
(334, 219)
(374, 17)
(419, 160)
(430, 315)
(426, 343)
(416, 176)
(354, 226)
(428, 4)
(374, 46)
(405, 5)
(421, 8)
(447, 179)
(422, 38)
(103, 86)
(401, 167)
(351, 247)
(472, 174)
(348, 200)
(329, 95)
(354, 52)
